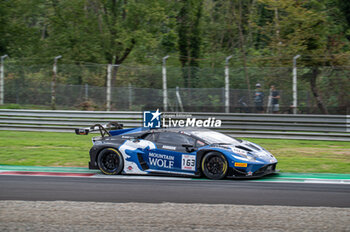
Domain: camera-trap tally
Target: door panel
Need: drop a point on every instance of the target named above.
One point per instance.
(170, 155)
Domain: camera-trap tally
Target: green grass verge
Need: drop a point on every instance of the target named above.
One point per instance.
(309, 156)
(44, 149)
(26, 107)
(36, 107)
(68, 149)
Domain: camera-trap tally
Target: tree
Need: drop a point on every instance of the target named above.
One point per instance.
(104, 31)
(21, 24)
(189, 33)
(238, 16)
(344, 12)
(305, 30)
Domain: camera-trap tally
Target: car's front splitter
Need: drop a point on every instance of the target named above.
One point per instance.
(242, 174)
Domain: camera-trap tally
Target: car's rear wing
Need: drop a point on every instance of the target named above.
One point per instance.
(103, 129)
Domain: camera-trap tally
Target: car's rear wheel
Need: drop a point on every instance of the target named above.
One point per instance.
(110, 161)
(214, 165)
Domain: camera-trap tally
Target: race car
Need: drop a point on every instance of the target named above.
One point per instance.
(176, 151)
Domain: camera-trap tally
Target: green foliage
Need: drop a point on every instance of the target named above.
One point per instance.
(306, 28)
(197, 34)
(104, 31)
(189, 31)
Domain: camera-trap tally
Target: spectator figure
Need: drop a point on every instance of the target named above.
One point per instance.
(275, 96)
(243, 107)
(259, 99)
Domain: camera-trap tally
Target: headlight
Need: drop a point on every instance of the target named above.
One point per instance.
(243, 157)
(241, 154)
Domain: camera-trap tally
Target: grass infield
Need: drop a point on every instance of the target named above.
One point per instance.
(70, 150)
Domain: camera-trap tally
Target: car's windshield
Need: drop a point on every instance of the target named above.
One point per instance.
(211, 137)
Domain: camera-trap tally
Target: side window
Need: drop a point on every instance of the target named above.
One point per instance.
(151, 137)
(199, 143)
(174, 138)
(190, 140)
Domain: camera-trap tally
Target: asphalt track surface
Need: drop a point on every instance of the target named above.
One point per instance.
(38, 188)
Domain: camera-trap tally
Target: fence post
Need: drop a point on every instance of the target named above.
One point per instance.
(179, 98)
(86, 92)
(165, 89)
(130, 96)
(53, 83)
(227, 85)
(108, 91)
(295, 94)
(2, 70)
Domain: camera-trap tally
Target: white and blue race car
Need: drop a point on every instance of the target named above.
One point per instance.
(176, 151)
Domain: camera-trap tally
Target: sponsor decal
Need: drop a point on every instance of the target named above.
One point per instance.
(169, 147)
(239, 151)
(188, 162)
(127, 137)
(160, 160)
(243, 165)
(250, 173)
(129, 151)
(129, 168)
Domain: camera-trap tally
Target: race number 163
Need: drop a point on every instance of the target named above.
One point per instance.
(188, 162)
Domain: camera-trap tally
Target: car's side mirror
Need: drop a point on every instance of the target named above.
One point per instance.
(189, 147)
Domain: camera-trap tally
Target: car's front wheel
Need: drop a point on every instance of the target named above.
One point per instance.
(214, 165)
(110, 161)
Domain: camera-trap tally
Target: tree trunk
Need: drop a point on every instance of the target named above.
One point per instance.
(238, 20)
(277, 31)
(315, 92)
(119, 60)
(242, 47)
(183, 33)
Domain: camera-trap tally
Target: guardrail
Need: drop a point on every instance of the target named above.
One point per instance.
(312, 127)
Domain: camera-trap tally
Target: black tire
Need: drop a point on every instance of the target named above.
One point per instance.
(110, 161)
(214, 165)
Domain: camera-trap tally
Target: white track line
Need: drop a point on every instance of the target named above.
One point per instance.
(137, 177)
(102, 176)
